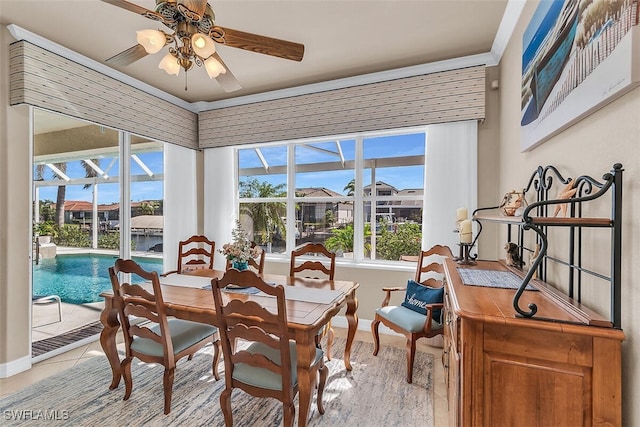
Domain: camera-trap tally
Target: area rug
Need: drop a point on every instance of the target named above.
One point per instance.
(374, 393)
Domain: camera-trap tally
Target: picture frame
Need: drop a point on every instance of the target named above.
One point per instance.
(577, 56)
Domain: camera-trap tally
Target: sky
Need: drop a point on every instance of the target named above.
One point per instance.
(543, 20)
(378, 147)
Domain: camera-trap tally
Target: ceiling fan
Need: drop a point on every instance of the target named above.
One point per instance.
(193, 32)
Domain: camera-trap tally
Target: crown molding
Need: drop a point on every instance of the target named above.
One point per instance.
(509, 20)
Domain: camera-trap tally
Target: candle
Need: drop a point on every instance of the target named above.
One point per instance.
(465, 231)
(461, 214)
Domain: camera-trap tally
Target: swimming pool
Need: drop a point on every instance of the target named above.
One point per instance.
(79, 279)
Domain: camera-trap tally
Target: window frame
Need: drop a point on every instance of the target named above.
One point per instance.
(358, 199)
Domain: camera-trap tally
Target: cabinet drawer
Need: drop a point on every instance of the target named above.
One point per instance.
(539, 344)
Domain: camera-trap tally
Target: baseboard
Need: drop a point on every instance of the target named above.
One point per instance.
(363, 325)
(15, 367)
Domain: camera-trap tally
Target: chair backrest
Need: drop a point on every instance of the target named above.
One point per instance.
(430, 269)
(325, 261)
(134, 300)
(195, 253)
(250, 321)
(258, 265)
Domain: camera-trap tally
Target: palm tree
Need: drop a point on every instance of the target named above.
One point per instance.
(62, 190)
(89, 172)
(342, 239)
(350, 188)
(267, 217)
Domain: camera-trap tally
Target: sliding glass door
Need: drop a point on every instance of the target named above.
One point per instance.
(82, 222)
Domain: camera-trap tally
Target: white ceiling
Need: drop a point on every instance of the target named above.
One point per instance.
(342, 38)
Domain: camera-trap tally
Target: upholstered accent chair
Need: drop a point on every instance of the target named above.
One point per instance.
(419, 314)
(149, 335)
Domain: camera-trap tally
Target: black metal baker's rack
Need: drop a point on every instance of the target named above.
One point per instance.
(536, 217)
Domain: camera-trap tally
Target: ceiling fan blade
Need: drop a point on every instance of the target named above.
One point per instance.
(131, 7)
(262, 44)
(227, 81)
(128, 56)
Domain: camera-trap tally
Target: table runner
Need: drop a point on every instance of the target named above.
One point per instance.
(187, 280)
(296, 293)
(491, 279)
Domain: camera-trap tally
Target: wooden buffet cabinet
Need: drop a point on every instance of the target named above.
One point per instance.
(558, 365)
(503, 370)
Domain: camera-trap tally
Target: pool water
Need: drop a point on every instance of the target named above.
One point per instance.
(79, 279)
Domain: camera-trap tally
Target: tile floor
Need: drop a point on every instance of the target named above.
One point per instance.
(71, 358)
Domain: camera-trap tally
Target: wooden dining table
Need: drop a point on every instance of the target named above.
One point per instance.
(311, 303)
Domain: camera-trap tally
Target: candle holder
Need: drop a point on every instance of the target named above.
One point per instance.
(465, 257)
(467, 242)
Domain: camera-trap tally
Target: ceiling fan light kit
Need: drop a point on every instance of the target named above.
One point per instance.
(169, 64)
(214, 68)
(151, 40)
(193, 37)
(202, 45)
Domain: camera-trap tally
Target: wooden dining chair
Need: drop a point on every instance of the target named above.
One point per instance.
(195, 253)
(419, 314)
(149, 335)
(257, 264)
(267, 366)
(324, 262)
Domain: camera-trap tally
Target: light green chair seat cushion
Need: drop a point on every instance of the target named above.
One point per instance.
(263, 378)
(407, 319)
(183, 335)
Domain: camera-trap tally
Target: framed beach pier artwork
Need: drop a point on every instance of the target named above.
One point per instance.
(577, 55)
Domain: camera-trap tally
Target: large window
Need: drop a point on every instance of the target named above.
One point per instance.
(361, 195)
(77, 185)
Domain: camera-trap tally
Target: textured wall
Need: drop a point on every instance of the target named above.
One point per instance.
(589, 147)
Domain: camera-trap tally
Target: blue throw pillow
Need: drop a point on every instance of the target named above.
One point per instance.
(418, 296)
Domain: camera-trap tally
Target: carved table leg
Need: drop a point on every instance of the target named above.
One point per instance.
(306, 349)
(352, 319)
(109, 319)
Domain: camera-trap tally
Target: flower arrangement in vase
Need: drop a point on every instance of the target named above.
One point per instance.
(239, 251)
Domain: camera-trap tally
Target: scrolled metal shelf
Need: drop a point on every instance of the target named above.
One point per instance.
(535, 217)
